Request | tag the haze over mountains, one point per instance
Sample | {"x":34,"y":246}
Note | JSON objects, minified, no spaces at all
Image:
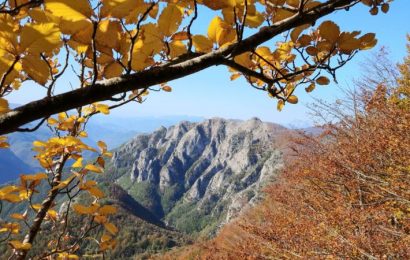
{"x":114,"y":131}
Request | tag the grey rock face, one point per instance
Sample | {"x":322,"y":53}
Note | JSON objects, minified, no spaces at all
{"x":215,"y":168}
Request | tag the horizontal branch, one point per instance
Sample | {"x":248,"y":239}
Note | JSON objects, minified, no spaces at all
{"x":104,"y":90}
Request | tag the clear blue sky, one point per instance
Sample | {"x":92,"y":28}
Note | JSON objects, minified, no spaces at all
{"x":210,"y":93}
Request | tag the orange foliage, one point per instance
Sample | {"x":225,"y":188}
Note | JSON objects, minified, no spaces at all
{"x":347,"y":193}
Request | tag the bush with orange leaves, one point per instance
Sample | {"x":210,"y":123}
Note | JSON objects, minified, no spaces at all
{"x":346,"y":193}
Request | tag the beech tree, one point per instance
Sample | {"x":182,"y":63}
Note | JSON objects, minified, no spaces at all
{"x":119,"y":51}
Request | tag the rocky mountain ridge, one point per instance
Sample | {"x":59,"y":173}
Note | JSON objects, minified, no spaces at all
{"x":196,"y":176}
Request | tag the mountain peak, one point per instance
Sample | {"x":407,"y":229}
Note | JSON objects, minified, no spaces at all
{"x":213,"y":168}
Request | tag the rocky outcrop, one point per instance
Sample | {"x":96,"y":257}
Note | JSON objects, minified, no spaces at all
{"x":214,"y":169}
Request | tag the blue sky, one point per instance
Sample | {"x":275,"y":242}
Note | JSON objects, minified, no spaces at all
{"x":210,"y":93}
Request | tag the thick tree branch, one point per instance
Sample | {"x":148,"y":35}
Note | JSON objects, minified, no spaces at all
{"x":104,"y":90}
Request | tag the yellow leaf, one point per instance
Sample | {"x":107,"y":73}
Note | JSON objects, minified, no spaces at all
{"x":85,"y":210}
{"x":221,"y":32}
{"x":108,"y":154}
{"x":385,"y":7}
{"x":64,"y":183}
{"x":374,"y":10}
{"x":83,"y":134}
{"x":167,"y":88}
{"x":110,"y":244}
{"x":310,"y":88}
{"x":281,"y":14}
{"x":13,"y":198}
{"x":96,"y":192}
{"x":322,"y":80}
{"x":177,"y":48}
{"x":66,"y":256}
{"x":77,"y":46}
{"x":170,"y":19}
{"x":37,"y":38}
{"x":105,"y":109}
{"x":52,"y":214}
{"x":348,"y":43}
{"x":328,"y":30}
{"x":220,"y":4}
{"x":39,"y":16}
{"x":293,"y":3}
{"x":93,"y":168}
{"x":107,"y":210}
{"x":69,"y":10}
{"x":101,"y":161}
{"x":281,"y":105}
{"x":254,"y":21}
{"x":312,"y":51}
{"x":36,"y":68}
{"x":39,"y":144}
{"x":103,"y":146}
{"x":78,"y":163}
{"x":292,"y":99}
{"x":113,"y":70}
{"x":18,"y":216}
{"x":80,"y":31}
{"x":368,"y":41}
{"x":109,"y":34}
{"x":111,"y":228}
{"x":52,"y":121}
{"x":34,"y":177}
{"x":294,"y":35}
{"x":19,"y":245}
{"x":4,"y":106}
{"x":202,"y":43}
{"x":105,"y":237}
{"x":304,"y":40}
{"x":235,"y":76}
{"x":8,"y":189}
{"x":180,"y":36}
{"x":12,"y":228}
{"x":118,"y":8}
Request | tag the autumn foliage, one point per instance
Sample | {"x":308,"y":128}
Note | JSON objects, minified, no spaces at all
{"x":346,"y":193}
{"x":119,"y":51}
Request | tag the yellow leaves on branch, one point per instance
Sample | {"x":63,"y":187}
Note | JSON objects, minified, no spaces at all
{"x":166,"y":88}
{"x":322,"y":80}
{"x":12,"y":228}
{"x":93,"y":168}
{"x":20,"y":245}
{"x":100,"y":214}
{"x":217,"y":5}
{"x":69,"y":10}
{"x":4,"y":106}
{"x":221,"y":32}
{"x":202,"y":43}
{"x":38,"y":38}
{"x":91,"y":187}
{"x":119,"y":8}
{"x":67,"y":256}
{"x":107,"y":242}
{"x":110,"y":227}
{"x":293,"y":99}
{"x":109,"y":34}
{"x":170,"y":19}
{"x":36,"y":68}
{"x":10,"y":194}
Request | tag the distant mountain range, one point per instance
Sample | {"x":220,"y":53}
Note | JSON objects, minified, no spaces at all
{"x":19,"y":159}
{"x":177,"y":182}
